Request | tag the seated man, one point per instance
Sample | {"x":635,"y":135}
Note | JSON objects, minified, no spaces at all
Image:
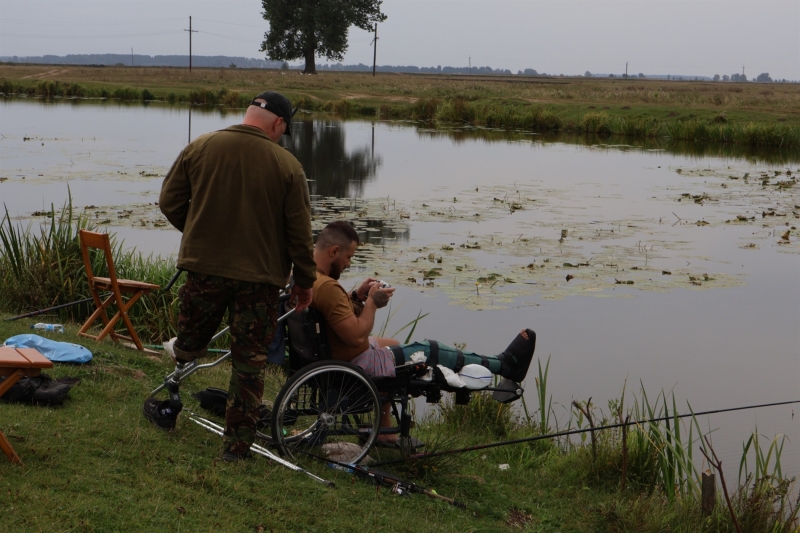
{"x":350,"y":319}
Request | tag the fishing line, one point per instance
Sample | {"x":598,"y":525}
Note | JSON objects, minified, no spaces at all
{"x":574,"y":432}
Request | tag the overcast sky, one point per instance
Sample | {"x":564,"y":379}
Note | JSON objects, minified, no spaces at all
{"x":690,"y":37}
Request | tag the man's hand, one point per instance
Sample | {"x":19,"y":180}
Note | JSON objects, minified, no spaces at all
{"x":363,"y":289}
{"x":301,"y":298}
{"x":380,"y":296}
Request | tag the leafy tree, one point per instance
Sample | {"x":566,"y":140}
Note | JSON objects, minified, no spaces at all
{"x":310,"y":28}
{"x":764,"y":76}
{"x":716,"y":77}
{"x":587,"y":74}
{"x":725,"y":77}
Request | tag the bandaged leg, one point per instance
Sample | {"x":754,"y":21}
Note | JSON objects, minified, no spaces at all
{"x":513,"y":363}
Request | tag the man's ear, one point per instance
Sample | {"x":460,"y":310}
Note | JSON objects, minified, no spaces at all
{"x":333,"y":251}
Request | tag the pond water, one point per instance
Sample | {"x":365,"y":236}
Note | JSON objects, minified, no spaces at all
{"x":680,"y":278}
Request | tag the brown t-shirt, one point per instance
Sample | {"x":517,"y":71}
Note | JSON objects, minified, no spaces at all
{"x":330,"y":298}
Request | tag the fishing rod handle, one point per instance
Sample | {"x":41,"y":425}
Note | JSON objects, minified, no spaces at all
{"x":216,"y":428}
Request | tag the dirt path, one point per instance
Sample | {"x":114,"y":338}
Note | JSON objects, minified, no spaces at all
{"x":48,"y":73}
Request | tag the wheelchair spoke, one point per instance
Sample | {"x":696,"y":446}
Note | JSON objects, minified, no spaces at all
{"x":327,"y":408}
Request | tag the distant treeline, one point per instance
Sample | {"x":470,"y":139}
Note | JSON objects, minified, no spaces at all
{"x":361,"y":67}
{"x":145,"y":61}
{"x":248,"y":62}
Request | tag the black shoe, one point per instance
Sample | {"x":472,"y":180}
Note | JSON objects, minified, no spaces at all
{"x":230,"y":454}
{"x":160,"y":414}
{"x":516,"y":359}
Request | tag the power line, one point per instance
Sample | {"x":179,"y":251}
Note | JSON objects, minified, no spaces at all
{"x":95,"y":36}
{"x":78,"y":23}
{"x":225,"y":36}
{"x":233,"y":23}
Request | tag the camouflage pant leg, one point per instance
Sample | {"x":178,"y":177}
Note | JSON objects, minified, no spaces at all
{"x":253,"y":316}
{"x":203,"y":302}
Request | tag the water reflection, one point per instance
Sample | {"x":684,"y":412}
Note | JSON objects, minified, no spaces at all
{"x":320,"y":147}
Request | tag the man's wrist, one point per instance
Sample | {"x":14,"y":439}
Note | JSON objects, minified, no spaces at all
{"x":355,"y":298}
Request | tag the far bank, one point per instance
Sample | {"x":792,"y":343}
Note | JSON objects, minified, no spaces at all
{"x":749,"y":113}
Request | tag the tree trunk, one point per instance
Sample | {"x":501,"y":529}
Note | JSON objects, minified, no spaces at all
{"x":311,"y":66}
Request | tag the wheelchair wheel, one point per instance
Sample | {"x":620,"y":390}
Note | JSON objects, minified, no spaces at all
{"x":328,"y":409}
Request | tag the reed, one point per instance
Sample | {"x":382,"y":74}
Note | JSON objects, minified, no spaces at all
{"x":42,"y":267}
{"x":481,"y":416}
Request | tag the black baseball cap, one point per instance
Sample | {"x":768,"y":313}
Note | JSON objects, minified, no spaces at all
{"x":278,"y":104}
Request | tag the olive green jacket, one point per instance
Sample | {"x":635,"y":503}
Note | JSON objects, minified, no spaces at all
{"x":242,"y":203}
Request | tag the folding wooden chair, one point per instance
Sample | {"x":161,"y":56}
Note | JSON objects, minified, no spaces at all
{"x":135,"y":289}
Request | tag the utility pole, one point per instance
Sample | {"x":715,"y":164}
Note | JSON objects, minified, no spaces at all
{"x":191,"y":31}
{"x":626,"y":70}
{"x":742,"y":71}
{"x":374,"y":50}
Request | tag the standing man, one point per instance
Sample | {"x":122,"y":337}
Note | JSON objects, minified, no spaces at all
{"x":242,"y":204}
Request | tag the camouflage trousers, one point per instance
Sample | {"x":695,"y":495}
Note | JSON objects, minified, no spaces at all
{"x":252,"y":316}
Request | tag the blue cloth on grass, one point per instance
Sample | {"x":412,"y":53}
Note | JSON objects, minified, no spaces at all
{"x":60,"y":352}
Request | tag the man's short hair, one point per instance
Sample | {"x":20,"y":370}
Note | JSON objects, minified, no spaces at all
{"x":337,"y":233}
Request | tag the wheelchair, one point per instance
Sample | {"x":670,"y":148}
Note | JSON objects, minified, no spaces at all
{"x":334,"y":407}
{"x":331,"y":408}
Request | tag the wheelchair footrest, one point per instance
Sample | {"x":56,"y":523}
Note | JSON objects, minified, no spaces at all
{"x":507,"y":391}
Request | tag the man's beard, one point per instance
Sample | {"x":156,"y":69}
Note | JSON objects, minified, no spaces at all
{"x":335,"y":272}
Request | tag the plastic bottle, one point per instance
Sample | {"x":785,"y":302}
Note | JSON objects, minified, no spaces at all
{"x":340,"y":467}
{"x":49,"y":327}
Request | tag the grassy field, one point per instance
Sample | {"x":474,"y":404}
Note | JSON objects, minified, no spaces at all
{"x":742,"y":113}
{"x":95,"y":464}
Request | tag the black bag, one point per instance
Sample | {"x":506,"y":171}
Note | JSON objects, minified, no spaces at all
{"x":40,"y":390}
{"x":308,"y":338}
{"x":212,"y":399}
{"x":215,"y":401}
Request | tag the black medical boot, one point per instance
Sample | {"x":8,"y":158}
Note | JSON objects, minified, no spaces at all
{"x":516,"y":359}
{"x":160,"y":413}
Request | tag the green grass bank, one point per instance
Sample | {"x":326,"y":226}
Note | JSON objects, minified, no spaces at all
{"x":99,"y":466}
{"x":748,"y":114}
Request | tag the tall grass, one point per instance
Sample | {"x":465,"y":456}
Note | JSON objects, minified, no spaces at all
{"x":42,"y":267}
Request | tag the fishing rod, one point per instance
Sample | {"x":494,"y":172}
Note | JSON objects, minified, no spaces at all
{"x":169,"y":285}
{"x":417,"y":456}
{"x":399,"y":486}
{"x":216,"y":428}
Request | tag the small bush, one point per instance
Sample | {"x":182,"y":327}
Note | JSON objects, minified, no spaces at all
{"x":126,"y":93}
{"x":203,"y":97}
{"x":49,"y":88}
{"x":599,"y":123}
{"x":425,"y":108}
{"x":147,"y":96}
